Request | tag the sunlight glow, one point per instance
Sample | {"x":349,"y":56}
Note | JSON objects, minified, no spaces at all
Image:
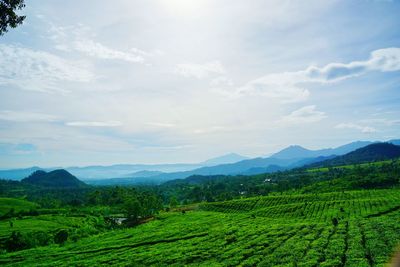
{"x":186,"y":8}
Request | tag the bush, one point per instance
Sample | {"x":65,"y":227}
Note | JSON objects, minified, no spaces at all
{"x":16,"y":241}
{"x":61,"y":236}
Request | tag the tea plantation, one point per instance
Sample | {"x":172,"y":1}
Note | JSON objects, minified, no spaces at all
{"x":349,"y":228}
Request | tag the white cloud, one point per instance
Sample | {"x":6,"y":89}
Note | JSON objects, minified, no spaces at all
{"x":307,"y":114}
{"x":21,"y":116}
{"x":95,"y":49}
{"x":161,"y":124}
{"x":200,"y":71}
{"x":286,"y":85}
{"x":221,"y":81}
{"x":75,"y":38}
{"x":94,"y":123}
{"x":275,"y":86}
{"x":38,"y":70}
{"x":387,"y":59}
{"x":363,"y":129}
{"x":209,"y":130}
{"x":386,"y":122}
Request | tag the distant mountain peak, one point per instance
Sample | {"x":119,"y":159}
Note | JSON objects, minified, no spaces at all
{"x":296,"y":151}
{"x":293,"y":151}
{"x":56,"y":178}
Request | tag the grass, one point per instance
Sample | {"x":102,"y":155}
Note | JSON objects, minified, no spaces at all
{"x":18,"y":205}
{"x":41,"y":223}
{"x":287,"y":230}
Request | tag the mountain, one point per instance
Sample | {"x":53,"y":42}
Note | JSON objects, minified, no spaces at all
{"x":57,"y":178}
{"x":395,"y":142}
{"x":259,"y":170}
{"x":225,"y":159}
{"x":126,"y":170}
{"x":296,"y":151}
{"x":144,"y":173}
{"x":253,"y":166}
{"x":370,"y":153}
{"x":230,"y":164}
{"x":17,"y":174}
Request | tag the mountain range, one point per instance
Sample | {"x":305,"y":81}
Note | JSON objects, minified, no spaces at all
{"x":370,"y":153}
{"x":230,"y":164}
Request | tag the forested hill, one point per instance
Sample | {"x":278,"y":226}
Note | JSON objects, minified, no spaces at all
{"x":57,"y":178}
{"x":370,"y":153}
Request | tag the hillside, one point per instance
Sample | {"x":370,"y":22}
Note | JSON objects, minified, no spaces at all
{"x":358,"y":228}
{"x":58,"y":178}
{"x":14,"y":205}
{"x":370,"y":153}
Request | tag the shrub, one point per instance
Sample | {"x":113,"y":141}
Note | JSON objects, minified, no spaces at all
{"x":61,"y":236}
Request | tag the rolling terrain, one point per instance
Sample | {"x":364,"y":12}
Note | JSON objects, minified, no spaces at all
{"x":341,"y":211}
{"x":331,"y":229}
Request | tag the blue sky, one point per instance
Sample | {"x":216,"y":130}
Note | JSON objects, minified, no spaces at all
{"x":104,"y":82}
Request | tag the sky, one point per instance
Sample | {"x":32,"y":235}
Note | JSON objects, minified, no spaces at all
{"x":164,"y":81}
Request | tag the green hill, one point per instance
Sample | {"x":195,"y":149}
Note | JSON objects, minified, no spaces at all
{"x":57,"y":178}
{"x":15,"y":205}
{"x":370,"y":153}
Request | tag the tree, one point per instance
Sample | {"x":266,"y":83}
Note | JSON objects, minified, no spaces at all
{"x":133,"y":209}
{"x":8,"y":17}
{"x":173,"y":202}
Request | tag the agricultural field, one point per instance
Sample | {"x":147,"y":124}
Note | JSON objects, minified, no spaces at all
{"x":15,"y":205}
{"x":354,"y":228}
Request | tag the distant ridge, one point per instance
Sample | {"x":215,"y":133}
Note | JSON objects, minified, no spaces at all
{"x":370,"y":153}
{"x":57,"y":178}
{"x":296,"y":151}
{"x":224,"y":159}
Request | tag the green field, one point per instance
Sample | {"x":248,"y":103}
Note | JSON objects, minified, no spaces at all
{"x":17,"y":205}
{"x":287,"y":230}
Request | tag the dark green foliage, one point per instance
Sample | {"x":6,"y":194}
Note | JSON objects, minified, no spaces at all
{"x":173,"y":202}
{"x":58,"y":179}
{"x":8,"y":17}
{"x":370,"y":153}
{"x":219,"y":188}
{"x":61,"y":236}
{"x":16,"y":242}
{"x":19,"y":241}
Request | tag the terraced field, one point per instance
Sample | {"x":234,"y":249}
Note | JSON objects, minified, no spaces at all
{"x":287,"y":230}
{"x":15,"y":205}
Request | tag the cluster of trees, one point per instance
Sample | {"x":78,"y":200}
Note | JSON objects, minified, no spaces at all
{"x":220,"y":188}
{"x":136,"y":203}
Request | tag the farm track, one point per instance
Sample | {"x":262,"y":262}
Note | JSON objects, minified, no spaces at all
{"x":396,"y":208}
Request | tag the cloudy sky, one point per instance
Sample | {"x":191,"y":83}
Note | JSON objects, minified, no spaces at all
{"x":160,"y":81}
